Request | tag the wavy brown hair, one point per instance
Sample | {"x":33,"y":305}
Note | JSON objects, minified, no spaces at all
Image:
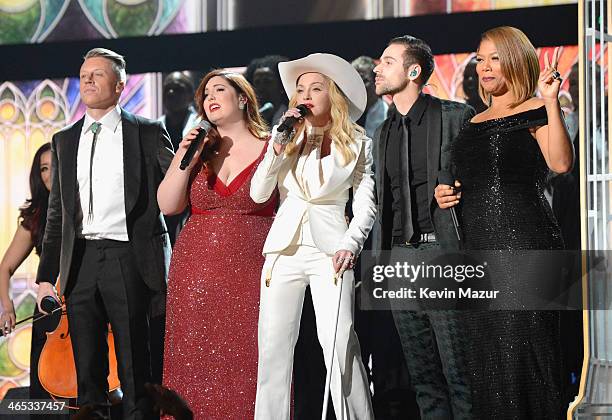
{"x":255,"y":123}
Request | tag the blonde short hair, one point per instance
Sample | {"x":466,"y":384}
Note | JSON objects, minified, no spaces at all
{"x":117,"y":61}
{"x":519,"y":62}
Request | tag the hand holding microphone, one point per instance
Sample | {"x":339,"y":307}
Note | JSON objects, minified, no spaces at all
{"x":194,"y":142}
{"x":447,"y":195}
{"x":291,"y":117}
{"x":281,"y":135}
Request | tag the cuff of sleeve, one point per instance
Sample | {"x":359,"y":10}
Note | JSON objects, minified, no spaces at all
{"x":349,"y":246}
{"x":273,"y":158}
{"x":281,"y":137}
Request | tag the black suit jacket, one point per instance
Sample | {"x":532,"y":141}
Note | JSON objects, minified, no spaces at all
{"x":147,"y":153}
{"x":444,"y":120}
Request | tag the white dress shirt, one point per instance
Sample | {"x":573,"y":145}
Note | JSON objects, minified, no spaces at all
{"x":109,"y":218}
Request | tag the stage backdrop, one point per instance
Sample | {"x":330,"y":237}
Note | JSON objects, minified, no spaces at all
{"x":31,"y":111}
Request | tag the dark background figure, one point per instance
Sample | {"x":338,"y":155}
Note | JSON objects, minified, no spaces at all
{"x":376,"y":109}
{"x":177,"y":98}
{"x":179,"y":117}
{"x":470,"y":87}
{"x":566,"y":208}
{"x":263,"y":74}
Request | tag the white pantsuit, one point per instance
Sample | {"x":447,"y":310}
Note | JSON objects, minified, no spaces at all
{"x":309,"y":228}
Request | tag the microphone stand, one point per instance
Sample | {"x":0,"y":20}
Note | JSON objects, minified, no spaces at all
{"x":339,"y":276}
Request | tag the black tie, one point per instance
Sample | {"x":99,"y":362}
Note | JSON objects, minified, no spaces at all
{"x":405,"y":178}
{"x":95,"y":129}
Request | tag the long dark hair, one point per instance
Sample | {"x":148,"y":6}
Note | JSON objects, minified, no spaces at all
{"x":33,"y":214}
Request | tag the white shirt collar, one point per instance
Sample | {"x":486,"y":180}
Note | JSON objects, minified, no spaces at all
{"x":312,"y":131}
{"x":110,"y":120}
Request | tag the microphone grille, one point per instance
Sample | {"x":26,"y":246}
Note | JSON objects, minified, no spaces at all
{"x":204,"y":125}
{"x":303,"y":109}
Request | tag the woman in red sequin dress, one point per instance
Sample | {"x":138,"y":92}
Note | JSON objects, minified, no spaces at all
{"x":210,"y":355}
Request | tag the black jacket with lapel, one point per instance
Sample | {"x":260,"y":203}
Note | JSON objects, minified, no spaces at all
{"x":444,"y":120}
{"x":147,"y":153}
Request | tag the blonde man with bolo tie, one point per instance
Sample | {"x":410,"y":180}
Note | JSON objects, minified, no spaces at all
{"x":105,"y":236}
{"x":314,"y":165}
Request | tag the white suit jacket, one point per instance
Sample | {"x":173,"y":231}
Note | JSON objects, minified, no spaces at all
{"x":326,"y":207}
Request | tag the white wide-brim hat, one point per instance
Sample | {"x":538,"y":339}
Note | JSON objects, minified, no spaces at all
{"x":334,"y":67}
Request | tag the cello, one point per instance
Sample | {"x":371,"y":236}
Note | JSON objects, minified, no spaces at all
{"x":56,"y":367}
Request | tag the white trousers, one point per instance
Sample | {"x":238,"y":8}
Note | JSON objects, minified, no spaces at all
{"x":279,"y":325}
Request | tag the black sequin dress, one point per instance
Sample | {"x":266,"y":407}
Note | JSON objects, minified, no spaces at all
{"x":514,"y":356}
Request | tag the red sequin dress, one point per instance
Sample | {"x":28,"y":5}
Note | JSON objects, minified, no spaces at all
{"x":210,"y":355}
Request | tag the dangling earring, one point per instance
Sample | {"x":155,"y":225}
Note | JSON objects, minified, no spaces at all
{"x":241,"y":105}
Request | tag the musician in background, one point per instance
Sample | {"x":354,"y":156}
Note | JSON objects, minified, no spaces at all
{"x":263,"y":74}
{"x":28,"y":237}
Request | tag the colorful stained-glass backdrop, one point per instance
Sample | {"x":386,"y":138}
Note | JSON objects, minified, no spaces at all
{"x":32,"y":21}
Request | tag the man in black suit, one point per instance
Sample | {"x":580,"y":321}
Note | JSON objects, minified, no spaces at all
{"x":105,"y":236}
{"x":412,"y":146}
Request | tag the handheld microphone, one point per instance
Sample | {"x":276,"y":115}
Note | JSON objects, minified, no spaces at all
{"x":204,"y":127}
{"x":445,"y":177}
{"x":291,"y":121}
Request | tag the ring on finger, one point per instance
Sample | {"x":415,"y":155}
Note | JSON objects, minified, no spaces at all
{"x":556,"y":75}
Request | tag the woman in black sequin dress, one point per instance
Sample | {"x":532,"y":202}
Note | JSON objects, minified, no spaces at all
{"x":501,"y":159}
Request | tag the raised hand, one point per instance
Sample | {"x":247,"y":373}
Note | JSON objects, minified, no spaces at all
{"x":550,"y":79}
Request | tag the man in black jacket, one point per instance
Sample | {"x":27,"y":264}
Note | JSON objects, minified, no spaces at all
{"x":105,"y":236}
{"x":411,"y":147}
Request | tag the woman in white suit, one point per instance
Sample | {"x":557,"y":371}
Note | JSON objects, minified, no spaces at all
{"x":310,"y":243}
